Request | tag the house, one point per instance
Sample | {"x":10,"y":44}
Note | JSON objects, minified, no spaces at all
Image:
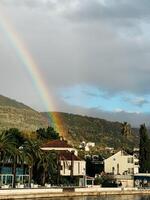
{"x":58,"y":145}
{"x":109,"y":149}
{"x":123,"y":166}
{"x":70,"y":164}
{"x":70,"y":160}
{"x":89,"y":145}
{"x":121,"y":163}
{"x":86,"y":146}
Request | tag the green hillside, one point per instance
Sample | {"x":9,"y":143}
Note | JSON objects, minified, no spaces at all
{"x":17,"y":115}
{"x":102,"y":132}
{"x":77,"y":128}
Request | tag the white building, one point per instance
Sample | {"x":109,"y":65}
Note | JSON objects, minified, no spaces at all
{"x":121,"y":163}
{"x":71,"y":161}
{"x":86,"y":146}
{"x":89,"y":145}
{"x":71,"y":164}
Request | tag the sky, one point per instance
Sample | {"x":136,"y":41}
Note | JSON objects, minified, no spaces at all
{"x":93,"y":56}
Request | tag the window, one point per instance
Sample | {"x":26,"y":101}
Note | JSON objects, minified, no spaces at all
{"x":117,"y":168}
{"x":64,"y":166}
{"x":130,"y":170}
{"x":113,"y":170}
{"x":136,"y":163}
{"x":130,"y":160}
{"x":78,"y":167}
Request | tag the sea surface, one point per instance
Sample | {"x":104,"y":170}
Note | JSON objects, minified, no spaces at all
{"x":109,"y":197}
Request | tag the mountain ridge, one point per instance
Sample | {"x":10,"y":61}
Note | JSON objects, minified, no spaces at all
{"x":103,"y":132}
{"x":78,"y":128}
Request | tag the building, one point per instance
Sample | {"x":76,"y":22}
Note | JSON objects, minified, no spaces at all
{"x":109,"y":149}
{"x":123,"y":166}
{"x":89,"y":145}
{"x":58,"y":145}
{"x":70,"y":160}
{"x":121,"y":163}
{"x":142,"y":180}
{"x":94,"y":165}
{"x":86,"y":146}
{"x":70,"y":164}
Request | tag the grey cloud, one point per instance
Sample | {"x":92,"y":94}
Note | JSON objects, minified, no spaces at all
{"x":83,"y":53}
{"x":119,"y":10}
{"x":70,"y":53}
{"x":29,"y":3}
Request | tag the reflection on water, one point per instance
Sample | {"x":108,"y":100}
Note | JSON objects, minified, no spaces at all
{"x":109,"y":197}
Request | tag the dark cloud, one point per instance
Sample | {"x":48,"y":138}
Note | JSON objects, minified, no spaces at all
{"x":28,"y":3}
{"x":105,"y":45}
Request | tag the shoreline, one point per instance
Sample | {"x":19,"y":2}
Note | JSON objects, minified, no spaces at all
{"x":60,"y":192}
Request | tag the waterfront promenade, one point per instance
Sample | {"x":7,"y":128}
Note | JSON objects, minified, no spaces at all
{"x":67,"y":192}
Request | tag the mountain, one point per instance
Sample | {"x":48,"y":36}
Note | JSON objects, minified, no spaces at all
{"x":77,"y":128}
{"x":104,"y":133}
{"x":17,"y":115}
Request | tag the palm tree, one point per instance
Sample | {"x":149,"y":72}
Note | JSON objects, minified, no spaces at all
{"x":47,"y":164}
{"x":126,"y":129}
{"x":7,"y":147}
{"x":31,"y":153}
{"x":16,"y":157}
{"x":6,"y":143}
{"x":8,"y":152}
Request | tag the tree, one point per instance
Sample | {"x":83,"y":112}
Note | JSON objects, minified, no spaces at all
{"x":16,"y":136}
{"x":144,"y":150}
{"x":47,"y":134}
{"x":47,"y":166}
{"x":126,"y":129}
{"x":31,"y":155}
{"x":6,"y":143}
{"x":52,"y":134}
{"x":7,"y":148}
{"x":41,"y":133}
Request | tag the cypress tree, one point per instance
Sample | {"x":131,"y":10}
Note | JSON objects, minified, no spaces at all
{"x":144,"y":142}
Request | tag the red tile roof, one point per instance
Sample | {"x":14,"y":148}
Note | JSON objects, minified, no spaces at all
{"x":57,"y":144}
{"x":67,"y":155}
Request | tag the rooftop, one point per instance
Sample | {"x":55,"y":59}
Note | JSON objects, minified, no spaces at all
{"x":57,"y":144}
{"x":67,"y":155}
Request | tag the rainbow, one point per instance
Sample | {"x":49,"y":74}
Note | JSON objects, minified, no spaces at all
{"x":33,"y":70}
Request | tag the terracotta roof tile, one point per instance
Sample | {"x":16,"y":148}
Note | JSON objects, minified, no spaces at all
{"x":67,"y":155}
{"x":57,"y":144}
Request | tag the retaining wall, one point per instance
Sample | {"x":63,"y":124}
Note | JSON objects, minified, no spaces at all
{"x":59,"y":192}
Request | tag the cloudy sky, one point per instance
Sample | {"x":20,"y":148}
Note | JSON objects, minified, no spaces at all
{"x":93,"y":56}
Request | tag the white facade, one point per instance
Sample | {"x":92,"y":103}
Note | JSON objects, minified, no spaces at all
{"x":89,"y":145}
{"x":78,"y":168}
{"x":121,"y":163}
{"x":70,"y":163}
{"x":86,"y":146}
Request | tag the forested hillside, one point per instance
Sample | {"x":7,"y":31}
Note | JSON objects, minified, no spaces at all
{"x":17,"y":115}
{"x":83,"y":128}
{"x":78,"y":128}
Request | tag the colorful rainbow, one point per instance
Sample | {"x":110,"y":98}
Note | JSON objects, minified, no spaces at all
{"x":33,"y":70}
